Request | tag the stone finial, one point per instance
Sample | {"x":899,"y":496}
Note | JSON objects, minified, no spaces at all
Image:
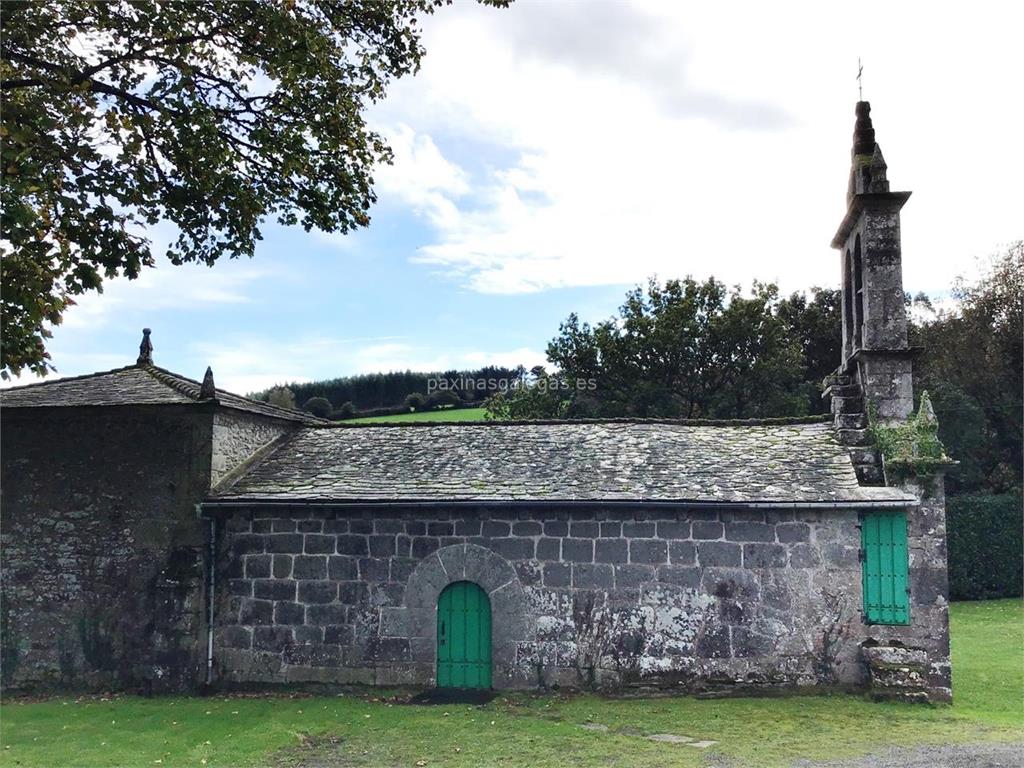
{"x":926,"y":414}
{"x":145,"y":349}
{"x":868,"y":169}
{"x":207,"y":391}
{"x":863,"y":131}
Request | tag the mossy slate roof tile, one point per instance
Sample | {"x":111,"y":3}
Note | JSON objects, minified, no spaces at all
{"x":568,"y":461}
{"x":141,"y":384}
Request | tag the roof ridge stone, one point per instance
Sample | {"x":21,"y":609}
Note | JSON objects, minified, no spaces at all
{"x":192,"y":388}
{"x":175,"y":381}
{"x":780,"y":421}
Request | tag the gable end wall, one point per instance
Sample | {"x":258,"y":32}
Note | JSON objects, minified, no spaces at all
{"x":102,"y":578}
{"x":237,"y":436}
{"x":102,"y":549}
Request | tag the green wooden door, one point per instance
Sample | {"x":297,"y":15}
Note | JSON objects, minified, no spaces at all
{"x":463,"y":637}
{"x":884,"y":555}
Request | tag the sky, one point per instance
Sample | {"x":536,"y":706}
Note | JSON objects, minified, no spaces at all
{"x":552,"y":155}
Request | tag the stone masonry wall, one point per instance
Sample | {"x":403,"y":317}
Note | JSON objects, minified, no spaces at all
{"x":692,"y":600}
{"x":237,"y":436}
{"x":929,"y":585}
{"x":102,"y":549}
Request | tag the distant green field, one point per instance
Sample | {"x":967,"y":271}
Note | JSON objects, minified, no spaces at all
{"x":448,"y":414}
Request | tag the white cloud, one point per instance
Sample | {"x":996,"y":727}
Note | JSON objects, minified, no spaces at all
{"x":165,"y":287}
{"x":673,"y":139}
{"x":421,"y":177}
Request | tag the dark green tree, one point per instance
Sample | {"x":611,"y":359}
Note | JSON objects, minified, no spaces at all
{"x":973,"y":368}
{"x":443,"y":398}
{"x":318,"y":406}
{"x":816,"y":321}
{"x":212,"y":115}
{"x":682,"y":349}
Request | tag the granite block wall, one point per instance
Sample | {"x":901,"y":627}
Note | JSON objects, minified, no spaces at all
{"x":585,"y":598}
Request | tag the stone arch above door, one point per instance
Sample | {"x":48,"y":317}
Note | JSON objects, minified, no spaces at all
{"x":510,"y":616}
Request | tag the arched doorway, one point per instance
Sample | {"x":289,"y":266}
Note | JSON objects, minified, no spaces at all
{"x":463,"y":637}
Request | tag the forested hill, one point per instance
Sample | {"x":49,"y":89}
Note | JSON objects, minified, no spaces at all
{"x":384,"y":390}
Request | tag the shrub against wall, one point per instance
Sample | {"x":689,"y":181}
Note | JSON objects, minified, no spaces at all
{"x":985,"y":545}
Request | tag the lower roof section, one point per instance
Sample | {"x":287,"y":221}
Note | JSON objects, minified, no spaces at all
{"x":557,"y":464}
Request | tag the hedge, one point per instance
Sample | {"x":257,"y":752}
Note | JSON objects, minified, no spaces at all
{"x":986,"y":545}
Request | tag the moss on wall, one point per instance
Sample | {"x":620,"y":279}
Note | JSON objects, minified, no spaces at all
{"x":911,"y":447}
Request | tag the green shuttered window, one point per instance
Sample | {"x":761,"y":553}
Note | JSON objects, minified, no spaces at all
{"x":884,"y":555}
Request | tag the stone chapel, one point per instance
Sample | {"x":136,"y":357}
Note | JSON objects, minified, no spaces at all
{"x":159,"y":533}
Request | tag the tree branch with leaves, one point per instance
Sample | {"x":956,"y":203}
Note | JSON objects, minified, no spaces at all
{"x":212,"y":115}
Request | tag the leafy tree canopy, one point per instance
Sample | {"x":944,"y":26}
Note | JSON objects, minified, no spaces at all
{"x":281,"y":396}
{"x":683,"y":349}
{"x":973,"y":367}
{"x":209,"y":114}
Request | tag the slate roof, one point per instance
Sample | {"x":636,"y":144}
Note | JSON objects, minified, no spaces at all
{"x":563,"y":461}
{"x":141,"y":384}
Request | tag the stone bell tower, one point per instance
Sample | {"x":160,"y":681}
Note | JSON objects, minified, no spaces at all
{"x":875,"y":372}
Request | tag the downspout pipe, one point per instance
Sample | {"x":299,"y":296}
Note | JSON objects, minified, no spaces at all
{"x":211,"y":585}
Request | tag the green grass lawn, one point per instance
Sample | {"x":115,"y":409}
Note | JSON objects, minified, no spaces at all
{"x":543,"y":731}
{"x":445,"y":414}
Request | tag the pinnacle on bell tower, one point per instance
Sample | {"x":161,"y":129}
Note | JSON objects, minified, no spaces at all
{"x":875,"y":350}
{"x":867,"y":169}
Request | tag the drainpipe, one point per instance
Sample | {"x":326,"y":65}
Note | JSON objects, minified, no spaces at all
{"x":211,"y":584}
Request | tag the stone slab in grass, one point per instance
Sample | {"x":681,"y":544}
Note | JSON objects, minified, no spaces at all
{"x":594,"y":727}
{"x":702,"y":744}
{"x":670,"y":738}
